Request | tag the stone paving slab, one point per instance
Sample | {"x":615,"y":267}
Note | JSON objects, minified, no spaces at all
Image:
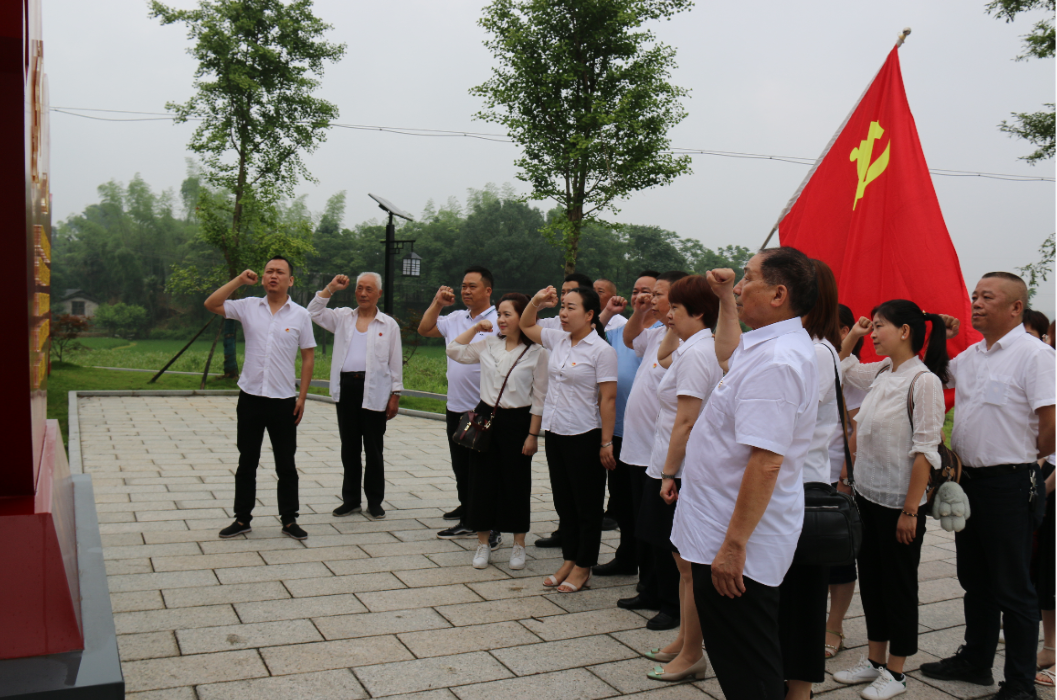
{"x":375,"y":608}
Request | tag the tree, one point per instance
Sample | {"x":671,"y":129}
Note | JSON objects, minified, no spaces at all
{"x":256,"y":65}
{"x":583,"y":89}
{"x":1037,"y":128}
{"x":1040,"y":270}
{"x":65,"y":330}
{"x":121,"y":319}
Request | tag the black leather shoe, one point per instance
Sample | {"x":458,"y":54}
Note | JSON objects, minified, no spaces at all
{"x":640,"y":587}
{"x":555,"y":540}
{"x":454,"y":514}
{"x":615,"y":568}
{"x":662,"y":621}
{"x":957,"y":668}
{"x":1006,"y":692}
{"x":608,"y":524}
{"x":637,"y":603}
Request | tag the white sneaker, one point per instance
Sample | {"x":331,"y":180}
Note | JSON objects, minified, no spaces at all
{"x":884,"y":687}
{"x":861,"y":672}
{"x":484,"y":553}
{"x":517,"y":557}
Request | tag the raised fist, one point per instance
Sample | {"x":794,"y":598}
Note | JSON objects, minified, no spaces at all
{"x":484,"y":326}
{"x":546,"y":298}
{"x":339,"y":282}
{"x":721,"y":280}
{"x":862,"y":327}
{"x":952,"y":324}
{"x":617,"y":304}
{"x":641,"y":304}
{"x":248,"y":278}
{"x":445,"y":296}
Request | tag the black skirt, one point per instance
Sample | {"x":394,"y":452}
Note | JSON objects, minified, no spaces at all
{"x":654,"y":524}
{"x":501,"y":478}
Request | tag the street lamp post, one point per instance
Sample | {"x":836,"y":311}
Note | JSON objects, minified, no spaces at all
{"x":391,"y":247}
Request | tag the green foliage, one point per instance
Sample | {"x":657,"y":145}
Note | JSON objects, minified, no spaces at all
{"x":583,"y":89}
{"x":1037,"y":128}
{"x":121,"y":319}
{"x":257,"y":62}
{"x":1040,"y":270}
{"x":65,"y":330}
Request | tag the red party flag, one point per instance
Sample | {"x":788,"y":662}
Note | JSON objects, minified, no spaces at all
{"x":869,"y":210}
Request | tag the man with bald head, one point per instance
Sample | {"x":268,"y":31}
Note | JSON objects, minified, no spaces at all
{"x":1004,"y":391}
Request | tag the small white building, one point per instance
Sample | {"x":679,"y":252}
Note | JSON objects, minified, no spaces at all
{"x":76,"y":303}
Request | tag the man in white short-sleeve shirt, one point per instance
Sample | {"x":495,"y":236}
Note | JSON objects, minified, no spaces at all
{"x":1003,"y":422}
{"x":464,"y":381}
{"x":275,"y":328}
{"x":741,"y":508}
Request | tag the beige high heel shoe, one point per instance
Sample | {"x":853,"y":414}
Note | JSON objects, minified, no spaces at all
{"x":661,"y":656}
{"x":698,"y":671}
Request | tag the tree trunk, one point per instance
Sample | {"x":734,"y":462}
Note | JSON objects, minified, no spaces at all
{"x":575,"y":215}
{"x":231,"y":363}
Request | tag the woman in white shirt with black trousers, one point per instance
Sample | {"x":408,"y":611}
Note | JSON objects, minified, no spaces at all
{"x":692,"y":373}
{"x":579,"y":416}
{"x":891,"y":474}
{"x":501,"y":477}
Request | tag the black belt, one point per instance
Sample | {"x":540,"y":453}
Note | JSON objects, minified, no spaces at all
{"x":354,"y":375}
{"x":997,"y":470}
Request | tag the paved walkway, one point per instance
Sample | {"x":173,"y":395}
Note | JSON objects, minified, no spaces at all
{"x":370,"y":609}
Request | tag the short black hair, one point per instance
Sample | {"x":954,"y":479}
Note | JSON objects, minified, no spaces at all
{"x":649,"y":273}
{"x":483,"y":272}
{"x":796,"y":272}
{"x":286,"y":260}
{"x":671,"y":276}
{"x":580,"y":279}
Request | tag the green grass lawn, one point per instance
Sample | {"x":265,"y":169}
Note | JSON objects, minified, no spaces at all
{"x":425,"y":372}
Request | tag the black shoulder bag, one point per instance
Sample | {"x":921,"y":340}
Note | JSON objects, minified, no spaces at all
{"x":832,"y":532}
{"x":474,"y":431}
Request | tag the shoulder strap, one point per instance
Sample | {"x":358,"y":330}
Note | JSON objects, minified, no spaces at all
{"x":502,"y":388}
{"x":843,"y":420}
{"x":910,"y":399}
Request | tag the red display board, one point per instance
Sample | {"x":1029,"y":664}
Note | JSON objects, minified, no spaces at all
{"x":39,"y":590}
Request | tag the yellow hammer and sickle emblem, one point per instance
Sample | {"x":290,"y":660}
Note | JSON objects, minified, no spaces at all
{"x":867,"y":171}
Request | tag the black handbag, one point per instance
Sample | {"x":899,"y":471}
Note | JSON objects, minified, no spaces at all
{"x":474,"y":431}
{"x":832,"y":532}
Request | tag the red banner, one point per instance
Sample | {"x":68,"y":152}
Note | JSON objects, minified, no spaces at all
{"x":868,"y":209}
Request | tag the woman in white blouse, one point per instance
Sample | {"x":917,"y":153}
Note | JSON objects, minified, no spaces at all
{"x":891,"y":473}
{"x":579,"y":415}
{"x":802,"y":610}
{"x":693,"y":371}
{"x":501,"y":478}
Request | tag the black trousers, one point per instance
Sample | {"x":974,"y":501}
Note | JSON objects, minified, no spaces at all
{"x":643,"y":551}
{"x":741,"y":637}
{"x":888,"y":578}
{"x":578,"y":485}
{"x":622,"y":507}
{"x":994,"y":555}
{"x":802,"y":622}
{"x":1042,"y":563}
{"x":501,"y":478}
{"x":255,"y":415}
{"x":360,"y":427}
{"x":460,"y":464}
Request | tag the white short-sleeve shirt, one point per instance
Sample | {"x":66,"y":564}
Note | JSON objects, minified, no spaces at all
{"x":997,"y":392}
{"x":573,"y":375}
{"x":818,"y":466}
{"x":272,"y":342}
{"x":768,"y":400}
{"x":526,"y":368}
{"x":640,"y":414}
{"x":695,"y":372}
{"x":464,"y":381}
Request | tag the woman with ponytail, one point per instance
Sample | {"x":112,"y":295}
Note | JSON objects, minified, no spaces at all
{"x":893,"y":460}
{"x":579,"y":415}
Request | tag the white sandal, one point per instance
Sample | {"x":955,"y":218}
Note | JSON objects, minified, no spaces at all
{"x":1046,"y":677}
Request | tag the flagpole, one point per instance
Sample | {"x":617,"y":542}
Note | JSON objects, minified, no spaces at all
{"x":899,"y":42}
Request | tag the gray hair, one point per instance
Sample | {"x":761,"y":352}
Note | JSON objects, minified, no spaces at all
{"x":375,"y":275}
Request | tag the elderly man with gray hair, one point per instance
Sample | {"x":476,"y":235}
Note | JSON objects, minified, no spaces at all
{"x":366,"y":378}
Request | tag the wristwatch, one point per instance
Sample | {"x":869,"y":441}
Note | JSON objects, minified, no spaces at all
{"x":846,"y":482}
{"x":607,"y":444}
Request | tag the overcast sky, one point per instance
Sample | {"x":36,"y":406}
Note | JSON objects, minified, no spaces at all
{"x":770,"y":77}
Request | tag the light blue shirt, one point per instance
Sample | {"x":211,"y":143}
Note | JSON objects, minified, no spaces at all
{"x":627,"y":365}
